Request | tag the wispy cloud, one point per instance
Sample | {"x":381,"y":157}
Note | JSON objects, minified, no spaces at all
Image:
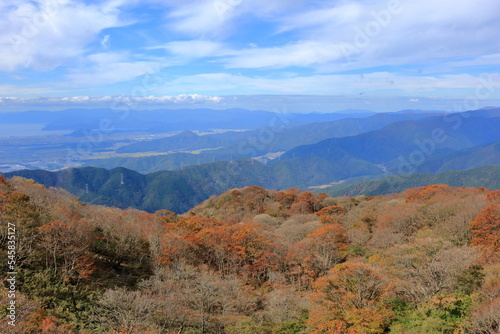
{"x":384,"y":83}
{"x":301,"y":54}
{"x":44,"y":35}
{"x":321,"y":18}
{"x":201,"y":18}
{"x":219,"y":18}
{"x":405,"y":47}
{"x":18,"y":90}
{"x":109,"y":68}
{"x":195,"y":49}
{"x":364,"y":35}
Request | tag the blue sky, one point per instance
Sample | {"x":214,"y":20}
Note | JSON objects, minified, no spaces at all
{"x":365,"y":54}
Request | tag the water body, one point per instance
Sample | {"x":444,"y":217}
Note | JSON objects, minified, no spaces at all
{"x":27,"y":130}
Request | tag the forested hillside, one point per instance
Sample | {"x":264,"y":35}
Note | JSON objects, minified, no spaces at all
{"x":481,"y":155}
{"x":256,"y":261}
{"x":180,"y":190}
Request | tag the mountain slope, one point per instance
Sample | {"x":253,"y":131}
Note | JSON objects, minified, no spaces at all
{"x":284,"y":137}
{"x":180,"y":190}
{"x":413,"y":140}
{"x":252,"y":261}
{"x":370,"y":154}
{"x":235,"y":145}
{"x":186,"y":140}
{"x":176,"y":190}
{"x":482,"y":155}
{"x":486,"y":176}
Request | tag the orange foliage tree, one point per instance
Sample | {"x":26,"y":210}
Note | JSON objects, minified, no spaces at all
{"x":485,"y":228}
{"x":352,"y":299}
{"x":327,"y":214}
{"x":67,"y":248}
{"x":181,"y":240}
{"x":425,"y":193}
{"x":328,"y":244}
{"x":228,"y":249}
{"x":300,"y":265}
{"x":314,"y":256}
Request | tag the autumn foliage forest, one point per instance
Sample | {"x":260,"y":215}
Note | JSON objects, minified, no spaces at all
{"x":256,"y":261}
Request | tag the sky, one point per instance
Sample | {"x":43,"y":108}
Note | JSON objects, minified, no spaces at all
{"x":381,"y":55}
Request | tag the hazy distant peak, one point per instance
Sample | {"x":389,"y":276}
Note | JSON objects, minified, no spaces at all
{"x":186,"y":134}
{"x":489,"y":108}
{"x":355,"y":111}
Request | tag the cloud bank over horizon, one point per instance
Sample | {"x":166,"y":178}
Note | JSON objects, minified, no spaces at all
{"x":275,"y":103}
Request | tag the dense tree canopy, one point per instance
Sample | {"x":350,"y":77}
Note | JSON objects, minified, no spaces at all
{"x":256,"y":261}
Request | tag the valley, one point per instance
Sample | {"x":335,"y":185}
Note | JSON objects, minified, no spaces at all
{"x":178,"y":171}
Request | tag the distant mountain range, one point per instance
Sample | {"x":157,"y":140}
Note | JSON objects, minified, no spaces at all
{"x":95,"y":134}
{"x":364,"y":149}
{"x":235,"y":145}
{"x":409,"y":144}
{"x":284,"y":137}
{"x":165,"y":120}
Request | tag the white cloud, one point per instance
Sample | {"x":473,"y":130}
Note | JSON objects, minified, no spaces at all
{"x":361,"y":35}
{"x":335,"y":16}
{"x":435,"y":40}
{"x":111,"y":67}
{"x":301,"y":54}
{"x":339,"y":36}
{"x":199,"y":18}
{"x":12,"y":90}
{"x":217,"y":18}
{"x":194,"y":48}
{"x":97,"y":100}
{"x":384,"y":83}
{"x":46,"y":34}
{"x":483,"y":60}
